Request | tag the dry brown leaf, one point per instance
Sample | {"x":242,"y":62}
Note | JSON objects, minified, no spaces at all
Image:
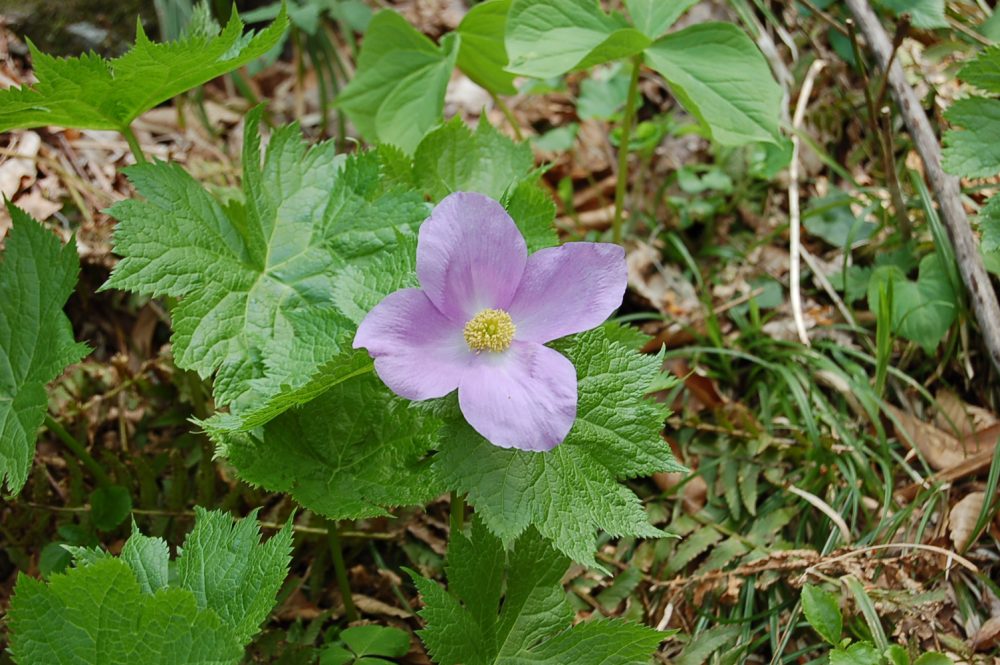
{"x":988,"y":635}
{"x":373,"y":606}
{"x":940,"y":449}
{"x":662,"y":284}
{"x":35,"y":204}
{"x":962,"y":519}
{"x":13,"y":170}
{"x":960,"y":418}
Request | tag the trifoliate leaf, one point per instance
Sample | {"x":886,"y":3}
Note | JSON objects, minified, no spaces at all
{"x":653,"y":17}
{"x":721,"y":77}
{"x":255,"y":280}
{"x":453,"y":158}
{"x":924,"y":14}
{"x":352,"y":452}
{"x":37,"y":274}
{"x":482,"y":55}
{"x":94,"y":93}
{"x":546,"y":38}
{"x":110,"y":611}
{"x":512,"y":609}
{"x":397,"y":93}
{"x":573,"y":490}
{"x":231,"y":572}
{"x":974,"y":150}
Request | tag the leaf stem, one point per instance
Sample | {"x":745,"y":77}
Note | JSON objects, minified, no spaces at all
{"x":133,"y":144}
{"x":78,"y":449}
{"x":457,"y":513}
{"x":507,"y":113}
{"x":340,"y":570}
{"x":633,"y":93}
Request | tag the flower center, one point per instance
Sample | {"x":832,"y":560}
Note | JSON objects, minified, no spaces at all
{"x":490,"y":330}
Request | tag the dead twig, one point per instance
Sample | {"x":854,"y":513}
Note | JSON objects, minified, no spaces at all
{"x":946,"y":187}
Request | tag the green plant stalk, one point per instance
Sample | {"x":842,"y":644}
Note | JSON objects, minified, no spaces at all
{"x":133,"y":144}
{"x":633,"y":93}
{"x":78,"y":449}
{"x":457,"y":516}
{"x":340,"y":570}
{"x":507,"y":113}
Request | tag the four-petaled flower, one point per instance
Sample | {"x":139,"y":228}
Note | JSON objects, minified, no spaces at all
{"x":482,"y":317}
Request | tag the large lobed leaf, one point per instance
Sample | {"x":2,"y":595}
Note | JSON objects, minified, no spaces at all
{"x":37,"y":275}
{"x":109,"y":611}
{"x":351,"y":449}
{"x":255,"y":280}
{"x":570,"y":492}
{"x":352,"y":452}
{"x":510,"y":608}
{"x":91,"y":92}
{"x":397,"y":93}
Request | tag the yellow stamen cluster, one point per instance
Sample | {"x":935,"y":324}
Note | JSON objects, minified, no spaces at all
{"x":490,"y":330}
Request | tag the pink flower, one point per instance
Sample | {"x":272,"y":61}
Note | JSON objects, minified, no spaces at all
{"x":480,"y":321}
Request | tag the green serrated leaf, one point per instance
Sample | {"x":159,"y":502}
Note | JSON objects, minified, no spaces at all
{"x":98,"y":615}
{"x":860,"y":653}
{"x":482,"y":55}
{"x":983,"y":71}
{"x":351,"y":452}
{"x":108,"y":611}
{"x":255,"y":280}
{"x":94,"y":93}
{"x":453,"y":158}
{"x":546,"y":38}
{"x":822,"y":611}
{"x":344,"y":367}
{"x":974,"y":150}
{"x":720,"y":76}
{"x":708,"y":642}
{"x":573,"y":490}
{"x":933,"y":658}
{"x":511,"y":608}
{"x":533,"y":210}
{"x":653,"y":17}
{"x":691,"y":547}
{"x":149,"y":559}
{"x":231,"y":572}
{"x":397,"y":93}
{"x":37,"y":275}
{"x":989,"y":225}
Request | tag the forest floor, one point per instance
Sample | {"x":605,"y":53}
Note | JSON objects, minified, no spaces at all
{"x":795,"y":479}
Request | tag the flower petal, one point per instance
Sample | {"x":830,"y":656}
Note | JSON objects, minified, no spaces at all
{"x":418,"y":352}
{"x":470,"y":256}
{"x":568,"y":289}
{"x":522,"y":398}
